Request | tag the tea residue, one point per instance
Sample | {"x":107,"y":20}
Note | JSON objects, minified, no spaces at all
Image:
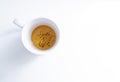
{"x":43,"y":37}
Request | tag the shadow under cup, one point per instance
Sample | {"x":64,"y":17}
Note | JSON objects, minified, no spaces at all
{"x":27,"y":32}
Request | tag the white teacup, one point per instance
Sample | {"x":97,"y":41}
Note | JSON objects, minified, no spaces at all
{"x":27,"y":31}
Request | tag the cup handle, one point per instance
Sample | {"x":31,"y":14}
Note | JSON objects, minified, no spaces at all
{"x":18,"y":23}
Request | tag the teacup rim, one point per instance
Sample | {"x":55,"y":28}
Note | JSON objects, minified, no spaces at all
{"x":31,"y":47}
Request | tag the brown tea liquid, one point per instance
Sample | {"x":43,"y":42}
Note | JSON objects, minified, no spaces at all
{"x":43,"y":37}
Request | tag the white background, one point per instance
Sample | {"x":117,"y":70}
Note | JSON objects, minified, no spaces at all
{"x":89,"y":46}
